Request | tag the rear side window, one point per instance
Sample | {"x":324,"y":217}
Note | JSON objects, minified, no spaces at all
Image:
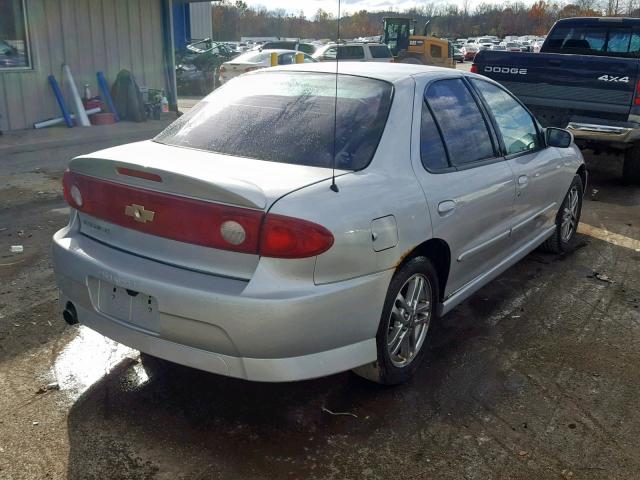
{"x":462,"y":124}
{"x":288,"y":117}
{"x":432,"y":152}
{"x":350,"y":53}
{"x":380,"y":51}
{"x":609,"y":40}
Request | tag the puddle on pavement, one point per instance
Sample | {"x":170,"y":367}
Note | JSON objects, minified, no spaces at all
{"x":88,"y":358}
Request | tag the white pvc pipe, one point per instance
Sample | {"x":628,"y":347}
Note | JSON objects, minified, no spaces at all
{"x":56,"y":121}
{"x":75,"y":97}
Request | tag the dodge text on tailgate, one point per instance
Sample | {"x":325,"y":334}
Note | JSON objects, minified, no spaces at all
{"x":585,"y":79}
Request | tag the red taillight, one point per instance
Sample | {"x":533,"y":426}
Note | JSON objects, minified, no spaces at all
{"x":166,"y":215}
{"x":636,"y":99}
{"x":287,"y":237}
{"x":195,"y":221}
{"x":474,"y":68}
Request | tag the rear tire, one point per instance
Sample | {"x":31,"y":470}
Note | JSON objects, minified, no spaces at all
{"x":631,"y":167}
{"x":567,"y":220}
{"x":409,"y":309}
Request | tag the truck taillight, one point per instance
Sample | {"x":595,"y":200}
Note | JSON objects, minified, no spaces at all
{"x":636,"y":97}
{"x":474,"y":68}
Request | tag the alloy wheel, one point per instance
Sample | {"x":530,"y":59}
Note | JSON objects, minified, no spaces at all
{"x":409,"y":320}
{"x":570,"y":214}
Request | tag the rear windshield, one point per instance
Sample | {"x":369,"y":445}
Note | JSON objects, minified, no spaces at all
{"x":380,"y":51}
{"x":288,"y":117}
{"x":609,"y":40}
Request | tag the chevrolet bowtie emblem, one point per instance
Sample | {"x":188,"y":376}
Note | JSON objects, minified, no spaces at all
{"x":139,"y":214}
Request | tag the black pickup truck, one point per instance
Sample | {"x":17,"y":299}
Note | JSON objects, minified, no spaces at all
{"x":586,"y":78}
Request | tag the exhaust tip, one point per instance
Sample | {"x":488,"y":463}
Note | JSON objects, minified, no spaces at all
{"x":69,"y":314}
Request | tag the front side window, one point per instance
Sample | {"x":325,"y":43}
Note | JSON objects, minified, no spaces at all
{"x":14,"y":44}
{"x":462,"y":124}
{"x":515,"y":124}
{"x":289,"y":117}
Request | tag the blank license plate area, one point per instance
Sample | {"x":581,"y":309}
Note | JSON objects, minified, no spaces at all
{"x":129,"y":306}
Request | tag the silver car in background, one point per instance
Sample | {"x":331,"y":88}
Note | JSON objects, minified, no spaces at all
{"x":247,"y":240}
{"x":256,"y":59}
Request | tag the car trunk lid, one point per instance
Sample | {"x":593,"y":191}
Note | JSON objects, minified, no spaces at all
{"x":157,"y":201}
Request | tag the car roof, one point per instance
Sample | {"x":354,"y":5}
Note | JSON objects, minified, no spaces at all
{"x":389,"y":72}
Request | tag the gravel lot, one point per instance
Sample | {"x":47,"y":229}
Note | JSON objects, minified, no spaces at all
{"x":536,"y":376}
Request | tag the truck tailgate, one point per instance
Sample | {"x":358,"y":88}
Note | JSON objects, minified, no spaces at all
{"x":575,"y":84}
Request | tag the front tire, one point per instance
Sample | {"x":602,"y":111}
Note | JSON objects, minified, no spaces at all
{"x":408,"y":311}
{"x":567,"y":219}
{"x":631,"y":166}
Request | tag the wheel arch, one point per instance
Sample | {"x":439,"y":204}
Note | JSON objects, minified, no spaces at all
{"x":582,"y":171}
{"x":437,"y":250}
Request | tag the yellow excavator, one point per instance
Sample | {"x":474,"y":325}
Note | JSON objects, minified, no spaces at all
{"x":407,"y":47}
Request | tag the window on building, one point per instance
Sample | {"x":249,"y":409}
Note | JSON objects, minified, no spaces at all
{"x":14,"y":46}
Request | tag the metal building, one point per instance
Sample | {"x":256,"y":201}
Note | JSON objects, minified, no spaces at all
{"x":38,"y":36}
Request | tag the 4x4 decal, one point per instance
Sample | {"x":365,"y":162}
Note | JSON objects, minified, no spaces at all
{"x":612,"y":78}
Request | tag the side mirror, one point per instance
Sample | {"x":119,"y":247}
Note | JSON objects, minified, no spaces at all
{"x":558,"y":137}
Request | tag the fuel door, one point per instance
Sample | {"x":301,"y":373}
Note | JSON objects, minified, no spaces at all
{"x":384,"y":233}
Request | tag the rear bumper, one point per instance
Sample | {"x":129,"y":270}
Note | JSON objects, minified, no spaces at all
{"x":212,"y":324}
{"x":620,"y":136}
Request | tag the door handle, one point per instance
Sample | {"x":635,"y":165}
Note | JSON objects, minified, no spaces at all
{"x":445,"y":207}
{"x":523,"y":181}
{"x":555,"y":62}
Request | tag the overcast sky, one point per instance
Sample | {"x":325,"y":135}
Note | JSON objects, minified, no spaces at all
{"x":311,"y":6}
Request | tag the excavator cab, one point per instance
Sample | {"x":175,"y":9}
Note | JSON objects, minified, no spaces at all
{"x":397,"y":31}
{"x":407,"y":47}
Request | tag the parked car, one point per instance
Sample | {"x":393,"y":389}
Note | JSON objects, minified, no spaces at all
{"x":499,"y":47}
{"x":484,"y":43}
{"x":470,"y":51}
{"x":254,"y":60}
{"x":525,"y":46}
{"x":585,"y":79}
{"x":512,"y":47}
{"x":240,"y":258}
{"x":458,"y":56}
{"x":354,"y":52}
{"x":308,"y":48}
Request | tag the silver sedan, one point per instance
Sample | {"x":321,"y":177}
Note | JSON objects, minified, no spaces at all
{"x":277,"y":232}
